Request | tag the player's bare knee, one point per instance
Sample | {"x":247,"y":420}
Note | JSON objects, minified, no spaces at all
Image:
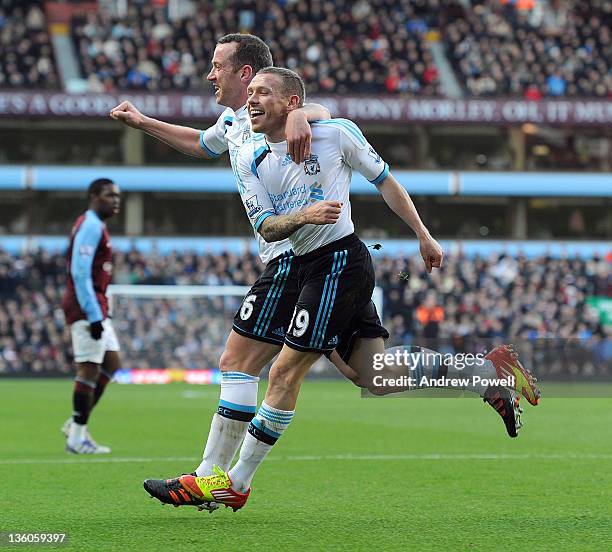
{"x":87,"y":370}
{"x":238,"y":361}
{"x":246,"y":355}
{"x":112,"y":362}
{"x":231,"y":361}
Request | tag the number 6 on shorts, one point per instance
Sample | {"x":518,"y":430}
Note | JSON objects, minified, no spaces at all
{"x":247,"y":307}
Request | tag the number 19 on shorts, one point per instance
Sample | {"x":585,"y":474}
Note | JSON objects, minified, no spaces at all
{"x":299,"y":322}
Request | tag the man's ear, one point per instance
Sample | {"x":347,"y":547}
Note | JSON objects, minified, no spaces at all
{"x":294,"y":103}
{"x":246,"y":74}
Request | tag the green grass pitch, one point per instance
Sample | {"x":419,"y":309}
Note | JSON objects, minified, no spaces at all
{"x":349,"y":474}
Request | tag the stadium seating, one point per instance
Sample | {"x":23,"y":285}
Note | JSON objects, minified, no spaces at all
{"x":553,"y":49}
{"x":500,"y":50}
{"x":26,"y":55}
{"x":363,"y":47}
{"x":501,"y":297}
{"x":337,"y":46}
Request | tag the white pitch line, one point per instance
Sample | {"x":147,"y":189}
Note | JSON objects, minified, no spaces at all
{"x":94,"y":459}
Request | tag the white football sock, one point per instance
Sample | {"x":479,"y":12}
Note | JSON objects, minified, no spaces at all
{"x":76,"y":434}
{"x":229,"y":425}
{"x":264,"y":431}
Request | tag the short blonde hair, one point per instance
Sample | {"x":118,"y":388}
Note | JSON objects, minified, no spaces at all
{"x":292,"y":83}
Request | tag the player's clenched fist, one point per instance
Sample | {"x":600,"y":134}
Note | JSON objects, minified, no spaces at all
{"x":431,"y":252}
{"x":128,"y":114}
{"x":323,"y":212}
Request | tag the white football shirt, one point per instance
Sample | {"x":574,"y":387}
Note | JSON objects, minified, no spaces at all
{"x":231,"y":130}
{"x":274,"y":185}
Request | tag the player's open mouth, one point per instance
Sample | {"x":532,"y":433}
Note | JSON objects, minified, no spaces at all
{"x":255,"y":113}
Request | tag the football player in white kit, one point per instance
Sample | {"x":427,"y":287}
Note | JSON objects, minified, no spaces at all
{"x":335,"y":271}
{"x":309,"y":204}
{"x":239,"y":386}
{"x":261,"y":322}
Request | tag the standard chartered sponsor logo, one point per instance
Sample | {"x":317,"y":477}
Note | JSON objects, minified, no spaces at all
{"x":290,"y":205}
{"x":290,"y":199}
{"x":293,"y":192}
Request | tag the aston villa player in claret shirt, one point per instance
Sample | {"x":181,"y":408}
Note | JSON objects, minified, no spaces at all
{"x":94,"y":342}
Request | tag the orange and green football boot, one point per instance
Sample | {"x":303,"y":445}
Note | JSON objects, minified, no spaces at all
{"x":207,"y":492}
{"x":507,"y":363}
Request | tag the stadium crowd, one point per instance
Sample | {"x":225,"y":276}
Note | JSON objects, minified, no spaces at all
{"x":493,"y":299}
{"x":496,"y":47}
{"x":566,"y":50}
{"x":363,"y":47}
{"x":338,"y":47}
{"x":26,"y":55}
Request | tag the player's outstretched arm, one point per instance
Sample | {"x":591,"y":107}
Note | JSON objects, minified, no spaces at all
{"x":279,"y":227}
{"x":184,"y":139}
{"x":398,"y":199}
{"x":297,"y":129}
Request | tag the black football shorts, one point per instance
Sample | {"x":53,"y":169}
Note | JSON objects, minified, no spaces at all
{"x":365,"y":324}
{"x":266,"y":310}
{"x":335,"y":284}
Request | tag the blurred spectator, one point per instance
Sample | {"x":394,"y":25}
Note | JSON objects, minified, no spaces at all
{"x":533,"y":93}
{"x":556,"y":85}
{"x":429,"y":315}
{"x":26,"y":55}
{"x":509,"y":298}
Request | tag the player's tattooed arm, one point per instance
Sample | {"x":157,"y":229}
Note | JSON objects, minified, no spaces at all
{"x":297,"y":129}
{"x":181,"y":138}
{"x":279,"y":227}
{"x":398,"y":199}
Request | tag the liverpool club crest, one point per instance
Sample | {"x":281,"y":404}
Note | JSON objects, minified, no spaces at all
{"x":312,"y":166}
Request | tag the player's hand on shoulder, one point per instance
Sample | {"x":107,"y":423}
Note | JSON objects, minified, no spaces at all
{"x":96,"y":329}
{"x":431,"y":251}
{"x":127,"y":113}
{"x":299,"y":136}
{"x":323,"y":212}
